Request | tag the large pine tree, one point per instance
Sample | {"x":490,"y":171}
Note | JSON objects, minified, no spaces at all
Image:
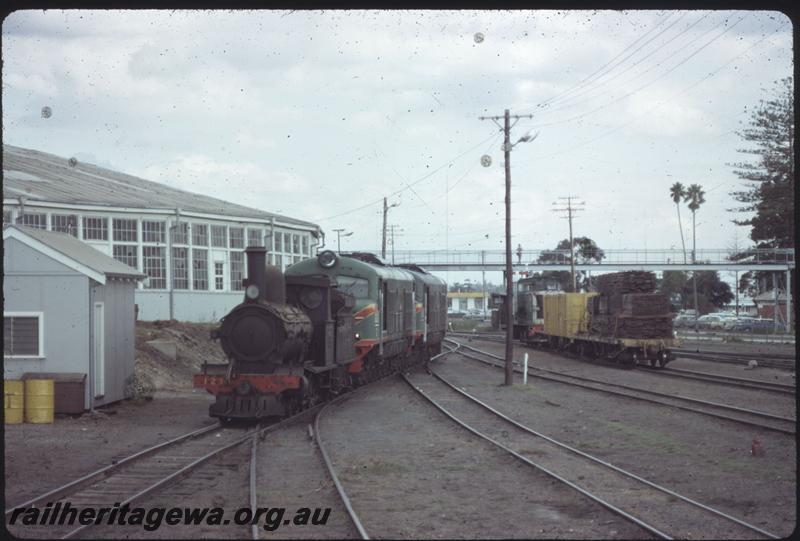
{"x":769,"y":191}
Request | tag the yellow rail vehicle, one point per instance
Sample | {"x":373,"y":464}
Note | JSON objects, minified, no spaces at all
{"x":572,"y":322}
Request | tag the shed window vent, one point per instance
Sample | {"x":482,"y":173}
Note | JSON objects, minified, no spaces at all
{"x":22,"y":335}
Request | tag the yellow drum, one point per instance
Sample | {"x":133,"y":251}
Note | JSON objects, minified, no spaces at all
{"x":14,"y":400}
{"x":39,"y":400}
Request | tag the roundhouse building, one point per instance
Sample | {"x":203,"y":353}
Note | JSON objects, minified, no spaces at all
{"x":190,"y":246}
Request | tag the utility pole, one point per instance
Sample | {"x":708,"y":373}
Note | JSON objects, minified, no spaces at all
{"x":385,"y":212}
{"x":507,"y":146}
{"x":483,"y":279}
{"x":339,"y":236}
{"x":391,"y":238}
{"x":570,"y":209}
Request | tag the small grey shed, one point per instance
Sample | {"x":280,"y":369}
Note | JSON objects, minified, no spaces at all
{"x":68,"y":309}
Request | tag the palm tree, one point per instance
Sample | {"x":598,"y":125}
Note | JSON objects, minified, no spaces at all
{"x":677,"y":192}
{"x":694,"y":196}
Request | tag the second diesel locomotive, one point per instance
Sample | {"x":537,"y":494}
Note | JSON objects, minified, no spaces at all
{"x":330,"y":324}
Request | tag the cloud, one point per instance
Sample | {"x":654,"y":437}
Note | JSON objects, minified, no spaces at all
{"x":245,"y":183}
{"x":657,"y":114}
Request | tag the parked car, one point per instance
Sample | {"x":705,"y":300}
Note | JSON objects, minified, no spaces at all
{"x":753,"y":324}
{"x":711,"y":322}
{"x":683,"y":320}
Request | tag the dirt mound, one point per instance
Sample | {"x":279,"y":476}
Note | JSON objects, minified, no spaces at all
{"x":194,"y":347}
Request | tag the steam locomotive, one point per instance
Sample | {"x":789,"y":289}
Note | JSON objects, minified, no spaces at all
{"x":330,"y":324}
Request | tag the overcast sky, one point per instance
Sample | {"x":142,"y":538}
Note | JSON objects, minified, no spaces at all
{"x":319,"y":115}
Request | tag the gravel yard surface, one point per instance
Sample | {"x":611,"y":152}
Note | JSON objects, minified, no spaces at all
{"x":411,"y":473}
{"x":778,"y":404}
{"x":698,"y":456}
{"x":755,"y":348}
{"x":664,"y":512}
{"x":292,"y":475}
{"x":41,"y":457}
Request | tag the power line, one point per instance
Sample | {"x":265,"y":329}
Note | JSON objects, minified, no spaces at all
{"x":563,"y":105}
{"x":670,"y":70}
{"x":659,"y":104}
{"x":428,"y":175}
{"x":588,"y":78}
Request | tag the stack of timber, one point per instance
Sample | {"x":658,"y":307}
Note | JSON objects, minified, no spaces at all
{"x":620,"y":283}
{"x":627,"y":307}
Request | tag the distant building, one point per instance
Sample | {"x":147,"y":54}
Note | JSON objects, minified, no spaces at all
{"x":190,"y":246}
{"x":765,"y":304}
{"x":462,"y":301}
{"x":67,"y":309}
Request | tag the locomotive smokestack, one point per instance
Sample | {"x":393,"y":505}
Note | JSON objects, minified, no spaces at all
{"x":274,"y":285}
{"x":256,"y":268}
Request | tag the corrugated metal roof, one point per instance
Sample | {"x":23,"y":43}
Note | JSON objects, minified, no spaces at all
{"x":80,"y":252}
{"x":45,"y":177}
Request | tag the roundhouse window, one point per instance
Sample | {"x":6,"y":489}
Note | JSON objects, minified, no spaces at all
{"x":95,"y":228}
{"x":218,"y":236}
{"x":236,"y":235}
{"x":124,"y":230}
{"x":152,"y":231}
{"x":155,"y":266}
{"x":33,"y":219}
{"x":64,"y":223}
{"x":200,"y":269}
{"x":237,"y":270}
{"x":180,"y":275}
{"x":180,"y":233}
{"x":200,"y":234}
{"x":126,"y":253}
{"x":254,"y":237}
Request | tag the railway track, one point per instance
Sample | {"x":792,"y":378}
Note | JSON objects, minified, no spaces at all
{"x":132,"y":478}
{"x":354,"y":518}
{"x":760,"y":419}
{"x":732,"y":381}
{"x":656,"y":509}
{"x":786,"y":362}
{"x":777,"y":362}
{"x":773,"y":360}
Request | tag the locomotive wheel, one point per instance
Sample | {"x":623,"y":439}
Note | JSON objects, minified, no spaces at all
{"x":653,"y":362}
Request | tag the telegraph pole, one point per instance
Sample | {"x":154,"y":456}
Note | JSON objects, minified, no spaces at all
{"x":570,"y":209}
{"x":392,"y":229}
{"x":385,"y":212}
{"x":507,"y":146}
